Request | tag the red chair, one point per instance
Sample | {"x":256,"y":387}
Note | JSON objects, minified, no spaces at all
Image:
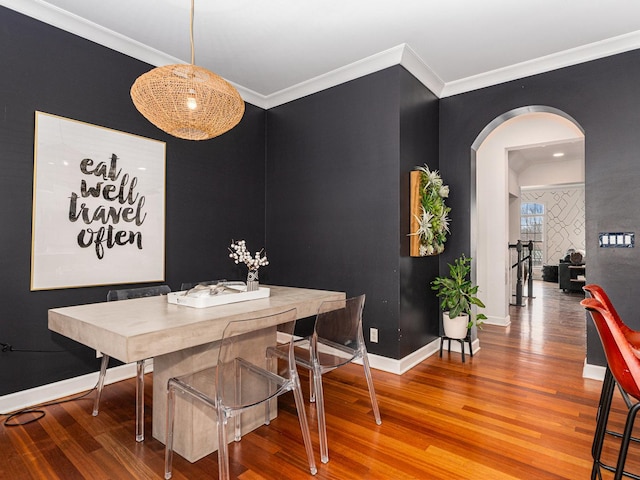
{"x":624,"y":367}
{"x":632,"y":336}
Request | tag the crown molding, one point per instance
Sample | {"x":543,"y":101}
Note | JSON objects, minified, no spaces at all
{"x":555,"y":186}
{"x":335,"y":77}
{"x":574,"y":56}
{"x":64,"y":20}
{"x":399,"y":55}
{"x":419,"y":69}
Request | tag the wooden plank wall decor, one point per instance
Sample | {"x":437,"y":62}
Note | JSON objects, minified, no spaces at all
{"x":416,"y":212}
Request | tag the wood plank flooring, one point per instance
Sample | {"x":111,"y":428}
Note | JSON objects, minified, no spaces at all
{"x":519,"y":409}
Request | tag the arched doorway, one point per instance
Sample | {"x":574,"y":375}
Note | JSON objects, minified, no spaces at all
{"x":490,"y":196}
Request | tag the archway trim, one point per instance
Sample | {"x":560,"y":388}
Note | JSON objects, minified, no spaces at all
{"x":500,"y":119}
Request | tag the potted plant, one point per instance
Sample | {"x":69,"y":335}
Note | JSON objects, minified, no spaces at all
{"x":457,"y":294}
{"x":240,"y":254}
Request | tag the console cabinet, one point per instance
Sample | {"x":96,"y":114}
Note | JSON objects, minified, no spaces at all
{"x":571,"y":277}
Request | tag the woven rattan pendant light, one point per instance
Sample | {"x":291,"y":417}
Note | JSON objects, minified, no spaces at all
{"x":188,"y":101}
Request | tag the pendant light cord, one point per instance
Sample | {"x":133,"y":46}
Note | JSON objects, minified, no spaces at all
{"x":191,"y":29}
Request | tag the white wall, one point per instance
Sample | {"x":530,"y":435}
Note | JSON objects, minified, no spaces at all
{"x":514,"y":219}
{"x":562,"y":172}
{"x":559,"y":172}
{"x":492,"y":186}
{"x":514,"y":183}
{"x":564,"y":218}
{"x":514,"y":206}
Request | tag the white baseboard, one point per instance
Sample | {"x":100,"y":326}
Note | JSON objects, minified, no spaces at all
{"x":407,"y":363}
{"x":499,"y":321}
{"x":54,"y":391}
{"x":64,"y":388}
{"x":399,"y":367}
{"x":594,"y":372}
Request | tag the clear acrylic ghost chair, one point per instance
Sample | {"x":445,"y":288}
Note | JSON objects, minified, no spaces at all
{"x":126,"y":294}
{"x":236,"y":384}
{"x":337,"y":340}
{"x":190,"y":285}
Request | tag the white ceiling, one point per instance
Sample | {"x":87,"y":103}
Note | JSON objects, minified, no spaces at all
{"x":277,"y":50}
{"x":522,"y":158}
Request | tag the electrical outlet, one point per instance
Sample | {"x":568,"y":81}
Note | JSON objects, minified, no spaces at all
{"x":373,"y":335}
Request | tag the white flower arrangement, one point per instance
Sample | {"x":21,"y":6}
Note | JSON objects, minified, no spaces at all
{"x":433,"y":222}
{"x":240,"y":254}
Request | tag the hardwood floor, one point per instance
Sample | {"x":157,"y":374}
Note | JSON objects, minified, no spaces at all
{"x":519,"y":409}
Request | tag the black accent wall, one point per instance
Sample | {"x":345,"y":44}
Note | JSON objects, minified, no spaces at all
{"x":215,"y":189}
{"x":338,"y":167}
{"x":604,"y":98}
{"x":322,"y":182}
{"x":332,"y":168}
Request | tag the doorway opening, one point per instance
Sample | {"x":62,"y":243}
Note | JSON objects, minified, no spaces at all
{"x":507,"y":161}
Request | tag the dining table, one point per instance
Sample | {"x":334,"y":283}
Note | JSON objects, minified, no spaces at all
{"x":180,"y":339}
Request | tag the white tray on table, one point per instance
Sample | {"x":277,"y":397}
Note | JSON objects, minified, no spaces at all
{"x":223,"y":298}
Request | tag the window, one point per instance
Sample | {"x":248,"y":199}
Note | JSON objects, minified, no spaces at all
{"x":532,"y":228}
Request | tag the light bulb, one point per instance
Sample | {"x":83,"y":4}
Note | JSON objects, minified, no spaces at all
{"x":191,"y":103}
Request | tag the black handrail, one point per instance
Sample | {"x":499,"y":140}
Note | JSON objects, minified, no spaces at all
{"x":521,"y":259}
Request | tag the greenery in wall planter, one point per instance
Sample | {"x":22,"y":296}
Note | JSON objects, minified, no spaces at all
{"x":432,"y":218}
{"x":457,"y":294}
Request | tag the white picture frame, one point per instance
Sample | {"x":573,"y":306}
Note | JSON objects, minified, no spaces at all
{"x":98,"y":206}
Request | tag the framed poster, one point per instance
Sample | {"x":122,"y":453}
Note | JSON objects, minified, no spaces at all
{"x":98,"y":206}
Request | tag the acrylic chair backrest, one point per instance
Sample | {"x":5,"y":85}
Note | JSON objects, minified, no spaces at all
{"x":129,"y":293}
{"x":621,"y":359}
{"x":339,"y":323}
{"x":236,"y":337}
{"x":633,"y":336}
{"x":190,"y":285}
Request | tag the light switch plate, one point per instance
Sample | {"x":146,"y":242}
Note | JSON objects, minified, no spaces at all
{"x":616,"y":239}
{"x":373,"y":335}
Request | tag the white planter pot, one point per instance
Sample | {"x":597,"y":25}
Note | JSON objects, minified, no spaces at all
{"x":455,"y":327}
